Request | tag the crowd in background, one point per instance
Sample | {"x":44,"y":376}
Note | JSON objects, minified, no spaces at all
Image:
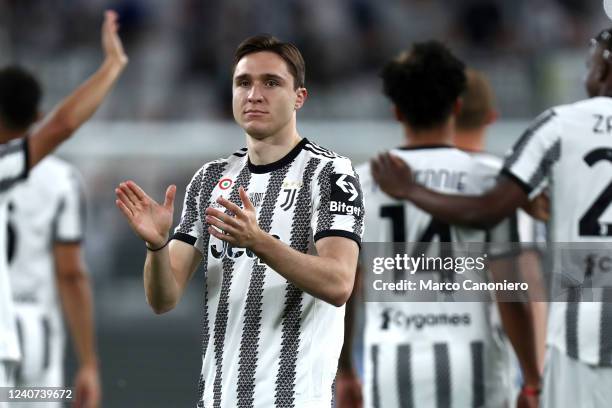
{"x":181,"y":50}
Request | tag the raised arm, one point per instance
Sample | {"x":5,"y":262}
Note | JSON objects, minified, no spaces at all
{"x":167,"y":268}
{"x":79,"y":106}
{"x":395,"y":178}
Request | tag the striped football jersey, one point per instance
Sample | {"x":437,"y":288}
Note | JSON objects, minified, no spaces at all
{"x":266,"y":342}
{"x":423,"y":354}
{"x":569,"y":150}
{"x":48,"y":208}
{"x":13,"y":168}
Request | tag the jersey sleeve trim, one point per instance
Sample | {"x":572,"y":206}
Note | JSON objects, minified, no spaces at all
{"x":186,"y":238}
{"x":526,"y":187}
{"x":338,"y":233}
{"x":26,"y":154}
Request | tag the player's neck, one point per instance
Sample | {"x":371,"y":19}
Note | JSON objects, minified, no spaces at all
{"x":470,"y":140}
{"x":272,"y":148}
{"x":442,"y":135}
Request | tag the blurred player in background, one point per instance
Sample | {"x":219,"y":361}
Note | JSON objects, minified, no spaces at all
{"x":45,"y":229}
{"x":22,"y":153}
{"x":277,"y":226}
{"x":476,"y":115}
{"x":564,"y":148}
{"x":440,"y":354}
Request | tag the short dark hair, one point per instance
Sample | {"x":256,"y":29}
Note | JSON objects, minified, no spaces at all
{"x":287,"y":51}
{"x":20,"y":95}
{"x":424,"y":83}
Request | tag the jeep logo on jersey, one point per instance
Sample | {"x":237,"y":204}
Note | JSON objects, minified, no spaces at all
{"x":345,"y":195}
{"x":225,"y":183}
{"x":227,"y":250}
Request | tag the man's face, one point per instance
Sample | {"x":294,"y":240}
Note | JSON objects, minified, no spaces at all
{"x":264,"y":99}
{"x":595,"y":67}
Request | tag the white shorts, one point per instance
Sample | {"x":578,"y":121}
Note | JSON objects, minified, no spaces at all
{"x":42,"y":348}
{"x":570,"y":383}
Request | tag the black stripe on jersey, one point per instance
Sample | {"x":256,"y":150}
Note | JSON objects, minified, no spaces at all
{"x":550,"y":157}
{"x":527,"y":135}
{"x":375,"y":391}
{"x":190,"y":210}
{"x":289,"y":157}
{"x":249,"y":353}
{"x":316,"y":152}
{"x":240,"y":152}
{"x":443,"y":375}
{"x":46,"y":326}
{"x":605,"y":330}
{"x":78,"y":188}
{"x":221,"y":318}
{"x":21,"y":342}
{"x":314,"y":148}
{"x":325,"y":218}
{"x":7,"y":183}
{"x":26,"y":152}
{"x":333,"y":391}
{"x":478,"y":386}
{"x":203,"y":187}
{"x":201,"y":384}
{"x":12,"y":148}
{"x":358,"y":225}
{"x":571,"y":322}
{"x":404,"y":376}
{"x":291,"y":325}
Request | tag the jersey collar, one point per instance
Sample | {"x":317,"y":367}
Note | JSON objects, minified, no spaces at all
{"x":288,"y":158}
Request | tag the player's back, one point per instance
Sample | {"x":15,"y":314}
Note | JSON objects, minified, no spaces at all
{"x":45,"y":210}
{"x":38,"y":218}
{"x":570,"y":148}
{"x":443,"y":168}
{"x":421,"y":353}
{"x":580,"y":161}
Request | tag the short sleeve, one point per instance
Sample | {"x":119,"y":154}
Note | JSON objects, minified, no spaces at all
{"x":338,"y":202}
{"x":69,"y":224}
{"x":190,"y":228}
{"x":13,"y":163}
{"x":530,"y":161}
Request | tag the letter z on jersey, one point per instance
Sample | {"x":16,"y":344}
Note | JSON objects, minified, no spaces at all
{"x":345,"y":196}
